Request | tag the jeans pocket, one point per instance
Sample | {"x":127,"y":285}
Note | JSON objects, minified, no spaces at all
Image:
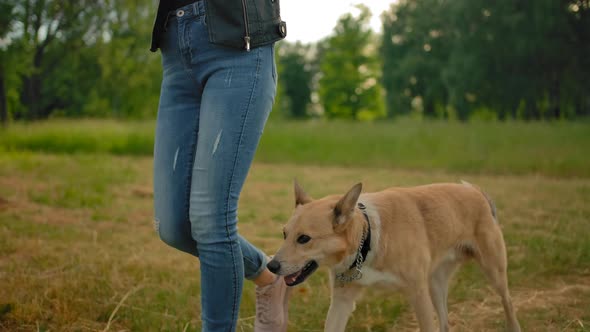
{"x":198,"y":38}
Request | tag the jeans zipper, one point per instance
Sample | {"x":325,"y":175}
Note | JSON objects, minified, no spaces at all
{"x":247,"y":36}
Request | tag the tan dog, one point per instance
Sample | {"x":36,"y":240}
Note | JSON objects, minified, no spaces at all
{"x":409,"y":239}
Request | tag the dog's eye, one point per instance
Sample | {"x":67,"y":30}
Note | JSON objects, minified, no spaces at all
{"x":302,"y":239}
{"x":284,"y":235}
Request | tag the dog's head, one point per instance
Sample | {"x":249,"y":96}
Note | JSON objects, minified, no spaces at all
{"x":320,"y":232}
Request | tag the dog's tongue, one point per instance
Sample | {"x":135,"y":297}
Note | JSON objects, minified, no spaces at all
{"x":290,"y":279}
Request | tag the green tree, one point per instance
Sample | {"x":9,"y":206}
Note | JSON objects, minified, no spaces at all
{"x":130,"y":75}
{"x":414,"y":48}
{"x":522,"y":59}
{"x":43,"y":26}
{"x":83,"y":58}
{"x":295,"y":78}
{"x":349,"y":83}
{"x":6,"y":19}
{"x":526,"y":59}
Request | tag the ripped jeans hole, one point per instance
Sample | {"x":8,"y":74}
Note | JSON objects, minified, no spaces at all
{"x":157,"y":225}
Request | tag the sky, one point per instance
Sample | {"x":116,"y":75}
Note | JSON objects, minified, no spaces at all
{"x":312,"y":20}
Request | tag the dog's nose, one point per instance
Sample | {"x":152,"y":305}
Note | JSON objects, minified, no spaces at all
{"x":273,"y":266}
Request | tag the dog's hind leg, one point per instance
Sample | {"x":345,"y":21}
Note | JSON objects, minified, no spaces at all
{"x":439,"y":290}
{"x":491,"y":257}
{"x":341,"y":306}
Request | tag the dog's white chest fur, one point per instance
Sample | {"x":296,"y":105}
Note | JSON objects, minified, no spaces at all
{"x":372,"y":276}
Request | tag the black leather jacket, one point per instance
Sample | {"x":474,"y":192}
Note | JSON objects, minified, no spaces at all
{"x":241,"y":24}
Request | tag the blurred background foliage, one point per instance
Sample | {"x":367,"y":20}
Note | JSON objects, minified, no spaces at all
{"x":448,"y":59}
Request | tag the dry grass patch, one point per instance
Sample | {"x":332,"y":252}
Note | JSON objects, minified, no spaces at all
{"x":90,"y":260}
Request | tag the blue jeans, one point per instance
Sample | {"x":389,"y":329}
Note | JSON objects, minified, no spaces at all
{"x":214,"y":104}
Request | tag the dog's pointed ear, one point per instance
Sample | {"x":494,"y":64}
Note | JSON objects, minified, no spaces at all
{"x":346,"y":204}
{"x":300,"y":196}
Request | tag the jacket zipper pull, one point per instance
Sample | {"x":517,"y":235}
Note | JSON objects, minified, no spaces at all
{"x":247,"y":40}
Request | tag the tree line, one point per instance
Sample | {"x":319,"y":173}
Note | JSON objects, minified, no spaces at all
{"x":454,"y":59}
{"x":77,"y":58}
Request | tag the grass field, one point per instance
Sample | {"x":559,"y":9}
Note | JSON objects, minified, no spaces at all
{"x":78,"y":251}
{"x":553,"y":149}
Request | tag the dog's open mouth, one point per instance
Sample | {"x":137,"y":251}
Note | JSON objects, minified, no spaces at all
{"x":300,"y":276}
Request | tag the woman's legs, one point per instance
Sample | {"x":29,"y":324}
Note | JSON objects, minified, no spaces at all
{"x":235,"y":104}
{"x":214,"y":104}
{"x":174,"y":149}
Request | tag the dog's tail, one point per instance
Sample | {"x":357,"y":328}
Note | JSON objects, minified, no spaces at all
{"x":487,"y":197}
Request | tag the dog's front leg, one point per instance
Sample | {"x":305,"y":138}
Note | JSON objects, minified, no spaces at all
{"x":419,"y":297}
{"x":341,"y":306}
